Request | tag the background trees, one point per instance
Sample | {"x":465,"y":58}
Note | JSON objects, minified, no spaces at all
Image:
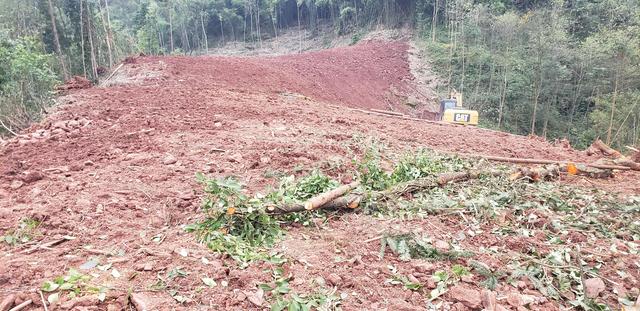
{"x":557,"y":68}
{"x":554,"y":68}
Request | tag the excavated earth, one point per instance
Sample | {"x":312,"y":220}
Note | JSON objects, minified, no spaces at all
{"x":113,"y":167}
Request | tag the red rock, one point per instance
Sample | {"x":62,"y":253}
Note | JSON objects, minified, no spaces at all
{"x":441,"y":245}
{"x":334,"y":279}
{"x":141,"y":301}
{"x":32,"y":177}
{"x":240,"y":297}
{"x":431,"y":284}
{"x":468,"y":296}
{"x":522,"y":284}
{"x":256,"y":298}
{"x":16,"y":184}
{"x":60,"y":125}
{"x":169,"y":159}
{"x":186,"y":195}
{"x":593,"y":287}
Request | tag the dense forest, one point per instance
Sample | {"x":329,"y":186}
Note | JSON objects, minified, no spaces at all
{"x":553,"y":68}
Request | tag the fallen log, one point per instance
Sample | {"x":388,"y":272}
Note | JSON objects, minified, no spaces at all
{"x":422,"y":184}
{"x":544,"y":161}
{"x":327,"y":197}
{"x":350,"y":201}
{"x":339,"y":199}
{"x":591,"y":172}
{"x":606,"y":150}
{"x":111,"y":75}
{"x":624,"y":161}
{"x":389,"y":112}
{"x":618,"y":158}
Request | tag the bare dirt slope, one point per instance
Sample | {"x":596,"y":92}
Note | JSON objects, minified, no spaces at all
{"x":114,"y":168}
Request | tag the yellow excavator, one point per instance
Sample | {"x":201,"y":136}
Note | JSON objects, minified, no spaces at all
{"x":452,"y":111}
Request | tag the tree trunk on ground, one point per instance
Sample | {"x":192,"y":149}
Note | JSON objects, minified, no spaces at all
{"x":605,"y":149}
{"x":339,"y":199}
{"x":350,"y":201}
{"x":545,"y":161}
{"x":624,"y":161}
{"x":326,"y":197}
{"x":619,"y":159}
{"x":56,"y":41}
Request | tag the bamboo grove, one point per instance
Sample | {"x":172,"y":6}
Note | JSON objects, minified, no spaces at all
{"x":553,"y":68}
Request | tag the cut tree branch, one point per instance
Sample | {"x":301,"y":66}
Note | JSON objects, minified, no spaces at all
{"x":111,"y":75}
{"x":339,"y":199}
{"x":606,"y":150}
{"x":544,"y":161}
{"x":327,"y":197}
{"x":618,"y":158}
{"x":8,"y":129}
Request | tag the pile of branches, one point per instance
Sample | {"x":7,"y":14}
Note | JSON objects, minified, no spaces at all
{"x":344,"y":197}
{"x":615,"y":157}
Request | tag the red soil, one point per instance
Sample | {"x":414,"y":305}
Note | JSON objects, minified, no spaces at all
{"x":114,"y":167}
{"x":75,"y":83}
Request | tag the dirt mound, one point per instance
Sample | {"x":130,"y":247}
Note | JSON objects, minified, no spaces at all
{"x":75,"y":83}
{"x":373,"y":74}
{"x":111,"y":174}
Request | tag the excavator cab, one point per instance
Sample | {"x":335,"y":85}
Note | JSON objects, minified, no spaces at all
{"x":452,"y":111}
